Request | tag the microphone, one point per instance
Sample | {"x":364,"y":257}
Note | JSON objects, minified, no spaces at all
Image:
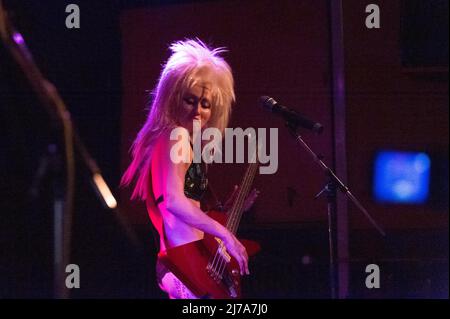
{"x":289,"y":115}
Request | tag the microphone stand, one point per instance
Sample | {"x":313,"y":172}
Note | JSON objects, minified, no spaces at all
{"x":63,"y":192}
{"x":333,"y":183}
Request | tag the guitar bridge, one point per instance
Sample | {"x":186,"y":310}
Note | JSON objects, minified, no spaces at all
{"x":222,"y":250}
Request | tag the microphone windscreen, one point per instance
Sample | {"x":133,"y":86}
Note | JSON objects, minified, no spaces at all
{"x":267,"y":102}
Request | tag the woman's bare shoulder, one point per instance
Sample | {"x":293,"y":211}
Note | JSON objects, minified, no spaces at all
{"x":168,"y":138}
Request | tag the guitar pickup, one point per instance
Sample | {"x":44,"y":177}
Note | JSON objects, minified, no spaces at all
{"x":222,"y":250}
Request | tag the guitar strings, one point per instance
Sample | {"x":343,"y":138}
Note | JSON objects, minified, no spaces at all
{"x":218,"y":262}
{"x":233,"y":225}
{"x":234,"y":222}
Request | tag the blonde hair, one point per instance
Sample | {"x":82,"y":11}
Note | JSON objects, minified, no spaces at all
{"x":188,"y":58}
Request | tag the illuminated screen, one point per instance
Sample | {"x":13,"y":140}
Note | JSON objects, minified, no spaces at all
{"x":401,"y":177}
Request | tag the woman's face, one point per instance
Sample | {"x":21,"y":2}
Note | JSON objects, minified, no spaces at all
{"x":196,"y":105}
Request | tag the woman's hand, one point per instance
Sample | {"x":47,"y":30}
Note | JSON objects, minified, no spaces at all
{"x":248,"y":203}
{"x":238,"y":251}
{"x":250,"y":200}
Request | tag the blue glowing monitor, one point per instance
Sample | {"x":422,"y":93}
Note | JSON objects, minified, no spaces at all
{"x":401,"y":177}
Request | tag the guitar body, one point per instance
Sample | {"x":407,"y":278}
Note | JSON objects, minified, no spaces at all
{"x":189,"y":263}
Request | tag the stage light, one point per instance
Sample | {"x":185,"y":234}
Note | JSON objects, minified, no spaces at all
{"x":401,"y":177}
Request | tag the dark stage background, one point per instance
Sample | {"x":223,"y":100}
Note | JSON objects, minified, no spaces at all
{"x":396,"y":97}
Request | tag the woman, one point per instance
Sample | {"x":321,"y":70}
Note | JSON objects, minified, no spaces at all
{"x":196,"y":85}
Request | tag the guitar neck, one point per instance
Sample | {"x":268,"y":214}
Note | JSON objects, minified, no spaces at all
{"x":237,"y":209}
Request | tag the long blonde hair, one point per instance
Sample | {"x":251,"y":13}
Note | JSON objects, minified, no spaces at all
{"x":188,"y":58}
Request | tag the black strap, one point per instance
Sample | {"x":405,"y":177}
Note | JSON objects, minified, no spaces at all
{"x":159,"y":200}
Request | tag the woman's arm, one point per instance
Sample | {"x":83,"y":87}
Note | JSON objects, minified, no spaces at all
{"x":170,"y":177}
